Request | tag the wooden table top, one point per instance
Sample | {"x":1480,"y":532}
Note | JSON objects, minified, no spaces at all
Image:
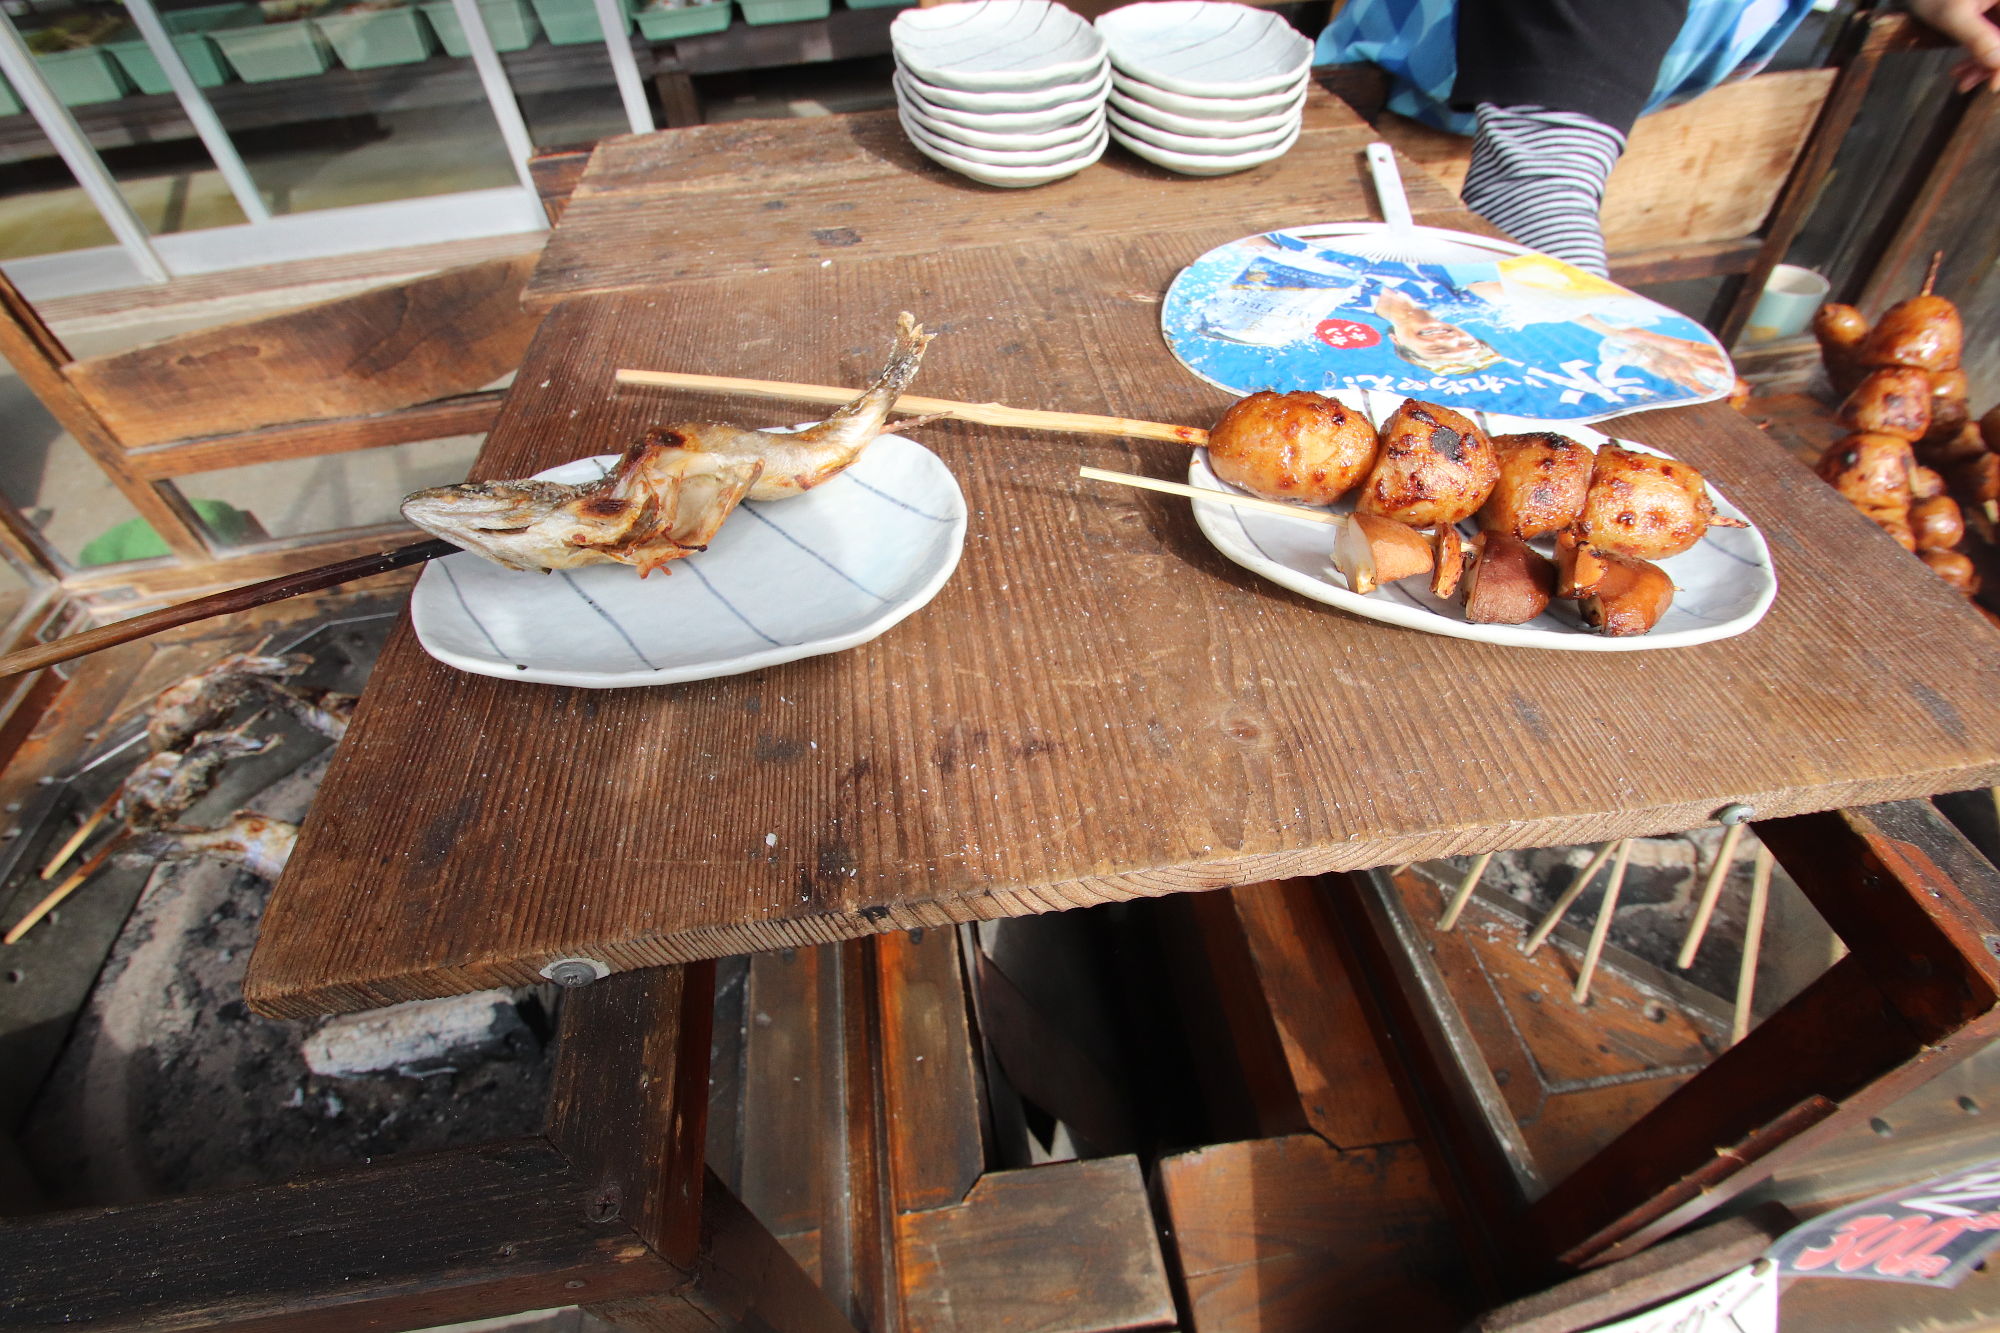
{"x":1097,"y":706}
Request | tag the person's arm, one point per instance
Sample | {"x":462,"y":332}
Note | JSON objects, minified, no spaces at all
{"x":1967,"y":23}
{"x":1556,"y":84}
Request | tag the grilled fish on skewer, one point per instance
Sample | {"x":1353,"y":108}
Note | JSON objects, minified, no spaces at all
{"x":669,"y":493}
{"x":208,"y":698}
{"x":325,"y":711}
{"x":260,"y":844}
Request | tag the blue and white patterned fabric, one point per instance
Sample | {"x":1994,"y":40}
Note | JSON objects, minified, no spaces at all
{"x":1415,"y":41}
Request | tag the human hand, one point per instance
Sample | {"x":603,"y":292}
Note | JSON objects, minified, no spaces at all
{"x":1966,"y":22}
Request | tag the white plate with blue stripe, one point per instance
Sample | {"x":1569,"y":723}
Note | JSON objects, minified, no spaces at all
{"x":818,"y":573}
{"x":1722,"y":587}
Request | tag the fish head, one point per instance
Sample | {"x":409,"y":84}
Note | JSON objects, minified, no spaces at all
{"x":504,"y":521}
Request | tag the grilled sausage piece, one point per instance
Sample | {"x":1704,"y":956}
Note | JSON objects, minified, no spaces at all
{"x":1292,"y":446}
{"x":1436,"y":466}
{"x":1644,"y":506}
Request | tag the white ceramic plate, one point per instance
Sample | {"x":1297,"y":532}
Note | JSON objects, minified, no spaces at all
{"x":1206,"y":49}
{"x":1045,"y":120}
{"x":1206,"y":164}
{"x":1076,"y":132}
{"x":1054,"y":155}
{"x":1013,"y":101}
{"x":1198,"y":145}
{"x":1211,"y":108}
{"x":1014,"y":178}
{"x":996,"y":44}
{"x":819,"y":573}
{"x":1198,"y":126}
{"x":1723,"y":586}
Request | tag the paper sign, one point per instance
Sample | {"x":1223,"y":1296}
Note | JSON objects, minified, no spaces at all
{"x":1933,"y":1233}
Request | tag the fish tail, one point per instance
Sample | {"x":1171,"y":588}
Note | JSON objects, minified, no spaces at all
{"x":871,"y":407}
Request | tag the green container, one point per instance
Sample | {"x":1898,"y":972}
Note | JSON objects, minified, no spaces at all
{"x":509,"y":23}
{"x":272,"y":51}
{"x":372,"y":38}
{"x":10,"y":105}
{"x":190,"y":27}
{"x":81,"y":78}
{"x":660,"y":25}
{"x":880,"y":4}
{"x":568,"y":22}
{"x":784,"y":11}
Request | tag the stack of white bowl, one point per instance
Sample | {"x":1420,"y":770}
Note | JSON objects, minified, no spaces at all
{"x":1008,"y":92}
{"x":1205,"y":88}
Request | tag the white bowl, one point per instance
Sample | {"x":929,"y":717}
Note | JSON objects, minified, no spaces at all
{"x":997,"y":157}
{"x":1211,"y":108}
{"x":1014,"y":178}
{"x":1005,"y":101}
{"x":1203,"y":147}
{"x":991,"y":45}
{"x":1146,"y":114}
{"x":1205,"y":49}
{"x":1203,"y":164}
{"x":1045,"y":120}
{"x":1073,"y":133}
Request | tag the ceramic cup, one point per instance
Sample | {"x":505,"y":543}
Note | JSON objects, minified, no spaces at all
{"x":1786,"y":308}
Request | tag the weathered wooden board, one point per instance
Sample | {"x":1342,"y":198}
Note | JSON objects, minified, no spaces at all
{"x":450,"y":333}
{"x":750,"y":197}
{"x":1052,"y":1249}
{"x":1097,"y":706}
{"x":1293,"y":1234}
{"x":1709,"y":169}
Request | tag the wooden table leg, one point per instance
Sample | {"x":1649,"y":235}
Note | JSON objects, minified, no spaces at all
{"x":629,"y":1108}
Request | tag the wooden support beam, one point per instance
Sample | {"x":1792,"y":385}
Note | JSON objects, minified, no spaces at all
{"x":428,"y":1239}
{"x":468,"y":414}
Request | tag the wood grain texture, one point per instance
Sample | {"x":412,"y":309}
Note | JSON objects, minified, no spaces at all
{"x":469,"y":414}
{"x":1097,"y":706}
{"x":1345,"y":1084}
{"x":455,"y":1235}
{"x":1064,"y":1248}
{"x":929,"y":1086}
{"x":750,"y":197}
{"x":450,"y":333}
{"x":1290,"y":1235}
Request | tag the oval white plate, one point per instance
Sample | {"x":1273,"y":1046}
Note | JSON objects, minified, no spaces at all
{"x":1198,"y":146}
{"x":996,"y":44}
{"x":1723,"y":586}
{"x":1211,"y":108}
{"x":819,"y":573}
{"x":1206,"y":49}
{"x":1199,"y":127}
{"x":1055,"y":155}
{"x":1076,"y":132}
{"x":1014,"y":178}
{"x":1012,"y":101}
{"x":1206,"y":164}
{"x":1042,"y":121}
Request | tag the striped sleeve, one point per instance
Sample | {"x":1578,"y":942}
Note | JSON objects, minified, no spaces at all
{"x":1538,"y":175}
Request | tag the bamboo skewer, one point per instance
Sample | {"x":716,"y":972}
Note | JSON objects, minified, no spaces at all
{"x":60,"y":892}
{"x":1753,"y":943}
{"x":1277,"y":507}
{"x":985,"y":414}
{"x":1718,"y":873}
{"x":82,"y":834}
{"x":221,"y":604}
{"x":1464,"y":895}
{"x":1570,"y":895}
{"x":1600,"y":931}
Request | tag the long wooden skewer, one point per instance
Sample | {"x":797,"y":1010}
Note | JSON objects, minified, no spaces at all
{"x":60,"y":892}
{"x":1753,"y":944}
{"x":1464,"y":895}
{"x":221,"y":604}
{"x":1718,"y":873}
{"x":985,"y":414}
{"x":82,"y":834}
{"x":1602,"y":929}
{"x":1278,"y":507}
{"x":1570,"y":895}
